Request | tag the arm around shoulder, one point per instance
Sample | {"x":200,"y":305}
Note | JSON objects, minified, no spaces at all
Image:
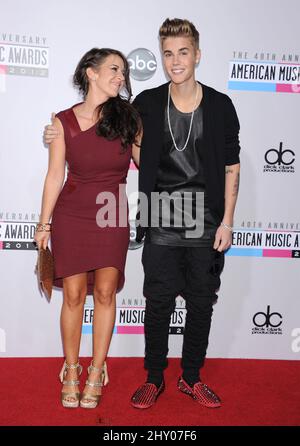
{"x":50,"y":131}
{"x":57,"y":153}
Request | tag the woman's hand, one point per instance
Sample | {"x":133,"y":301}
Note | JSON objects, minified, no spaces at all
{"x":42,"y":235}
{"x":42,"y":238}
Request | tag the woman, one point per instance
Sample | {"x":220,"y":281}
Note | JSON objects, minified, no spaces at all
{"x":96,"y":138}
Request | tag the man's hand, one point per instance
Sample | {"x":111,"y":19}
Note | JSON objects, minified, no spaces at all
{"x":50,"y":132}
{"x":223,"y":239}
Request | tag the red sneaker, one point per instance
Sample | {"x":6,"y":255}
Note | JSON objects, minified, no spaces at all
{"x":146,"y":395}
{"x":200,"y":393}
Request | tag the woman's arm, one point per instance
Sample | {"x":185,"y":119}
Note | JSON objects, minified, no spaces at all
{"x":53,"y":181}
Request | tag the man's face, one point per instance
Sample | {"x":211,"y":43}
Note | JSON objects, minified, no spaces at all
{"x":180,"y":58}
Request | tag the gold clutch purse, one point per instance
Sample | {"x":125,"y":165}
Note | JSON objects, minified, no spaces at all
{"x":45,"y":271}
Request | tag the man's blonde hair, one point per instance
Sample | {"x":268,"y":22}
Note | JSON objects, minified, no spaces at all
{"x":179,"y":28}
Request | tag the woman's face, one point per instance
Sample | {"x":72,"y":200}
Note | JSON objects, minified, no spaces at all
{"x":109,"y":78}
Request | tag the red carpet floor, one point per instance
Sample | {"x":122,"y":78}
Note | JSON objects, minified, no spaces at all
{"x":254,"y":393}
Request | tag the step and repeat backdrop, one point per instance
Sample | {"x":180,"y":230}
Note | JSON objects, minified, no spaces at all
{"x":250,"y":51}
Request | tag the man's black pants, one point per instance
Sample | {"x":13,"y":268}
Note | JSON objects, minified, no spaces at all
{"x":193,"y":273}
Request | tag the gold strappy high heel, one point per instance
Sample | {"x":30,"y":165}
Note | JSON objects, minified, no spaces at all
{"x":89,"y":400}
{"x":65,"y":395}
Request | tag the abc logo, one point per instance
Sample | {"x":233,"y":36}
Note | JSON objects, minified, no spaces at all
{"x":142,"y":64}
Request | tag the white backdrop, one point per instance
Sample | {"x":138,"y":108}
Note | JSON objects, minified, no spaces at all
{"x":250,"y":50}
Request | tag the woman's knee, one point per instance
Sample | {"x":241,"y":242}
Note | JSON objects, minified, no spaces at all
{"x":74,"y":298}
{"x":104,"y":295}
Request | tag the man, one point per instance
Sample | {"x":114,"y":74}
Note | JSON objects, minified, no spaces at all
{"x":190,"y":148}
{"x":190,"y":144}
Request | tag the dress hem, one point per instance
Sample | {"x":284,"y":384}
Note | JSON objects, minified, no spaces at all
{"x":58,"y":280}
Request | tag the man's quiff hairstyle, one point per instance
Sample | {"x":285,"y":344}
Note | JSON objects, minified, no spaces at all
{"x":179,"y":28}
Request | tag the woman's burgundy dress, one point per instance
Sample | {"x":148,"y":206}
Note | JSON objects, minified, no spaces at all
{"x":95,"y":165}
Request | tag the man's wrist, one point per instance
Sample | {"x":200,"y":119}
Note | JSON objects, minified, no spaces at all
{"x":225,"y":225}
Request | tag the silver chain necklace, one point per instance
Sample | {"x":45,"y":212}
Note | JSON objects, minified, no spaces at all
{"x":191,"y":123}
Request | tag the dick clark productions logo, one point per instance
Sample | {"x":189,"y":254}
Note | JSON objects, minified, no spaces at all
{"x":279,"y":160}
{"x":267,"y":319}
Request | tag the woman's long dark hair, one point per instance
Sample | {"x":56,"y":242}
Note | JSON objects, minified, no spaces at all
{"x":119,"y":119}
